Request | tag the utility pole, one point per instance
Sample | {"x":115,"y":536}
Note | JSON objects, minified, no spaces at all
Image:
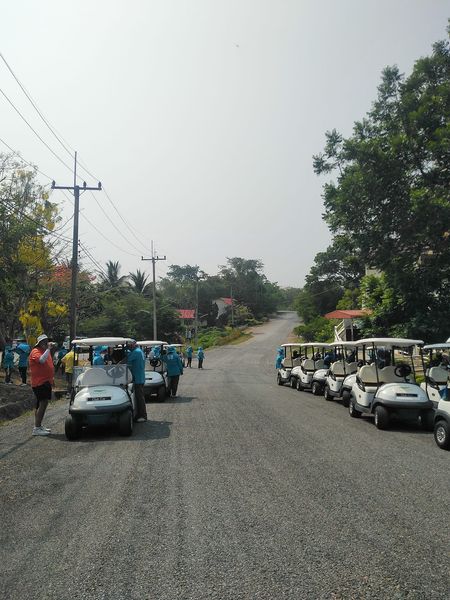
{"x":154,"y":259}
{"x":75,"y":189}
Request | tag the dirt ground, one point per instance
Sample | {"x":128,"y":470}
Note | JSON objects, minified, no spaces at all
{"x":16,"y":399}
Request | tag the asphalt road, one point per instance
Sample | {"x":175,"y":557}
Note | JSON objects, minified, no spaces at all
{"x":237,"y":489}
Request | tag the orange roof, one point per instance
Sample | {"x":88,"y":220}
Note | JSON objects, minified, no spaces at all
{"x":186,"y":313}
{"x":348,"y":314}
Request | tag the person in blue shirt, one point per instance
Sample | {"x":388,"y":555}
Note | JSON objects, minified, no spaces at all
{"x":8,"y":360}
{"x":189,"y":353}
{"x":23,"y":350}
{"x":174,"y":366}
{"x":279,"y":358}
{"x":98,"y":357}
{"x":136,"y":364}
{"x":201,"y":357}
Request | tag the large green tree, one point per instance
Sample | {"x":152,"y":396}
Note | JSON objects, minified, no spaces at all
{"x":390,"y":200}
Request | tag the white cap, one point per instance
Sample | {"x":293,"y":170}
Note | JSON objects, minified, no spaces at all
{"x":40,"y":339}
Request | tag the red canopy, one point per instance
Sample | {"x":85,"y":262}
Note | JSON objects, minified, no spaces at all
{"x":348,"y":314}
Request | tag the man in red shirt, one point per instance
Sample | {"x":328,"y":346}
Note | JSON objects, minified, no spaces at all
{"x":42,"y":375}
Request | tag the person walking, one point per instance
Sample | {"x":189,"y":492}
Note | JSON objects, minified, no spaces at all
{"x":42,"y":379}
{"x":189,"y":353}
{"x":136,"y":363}
{"x":8,"y":360}
{"x":201,"y":357}
{"x":67,"y":362}
{"x":279,"y":358}
{"x":23,"y":350}
{"x":174,"y":366}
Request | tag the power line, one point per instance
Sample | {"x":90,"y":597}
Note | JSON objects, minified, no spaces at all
{"x":35,"y":132}
{"x":22,"y":87}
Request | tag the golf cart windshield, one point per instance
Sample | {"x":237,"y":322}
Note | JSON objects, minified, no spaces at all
{"x":101,"y":375}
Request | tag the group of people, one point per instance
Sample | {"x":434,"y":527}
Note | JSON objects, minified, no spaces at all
{"x":41,"y":362}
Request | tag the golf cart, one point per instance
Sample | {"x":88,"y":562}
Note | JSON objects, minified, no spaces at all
{"x":292,"y":358}
{"x":310,"y":374}
{"x":436,"y":386}
{"x":155,"y":379}
{"x":342,"y":373}
{"x":101,"y":394}
{"x":387,"y":386}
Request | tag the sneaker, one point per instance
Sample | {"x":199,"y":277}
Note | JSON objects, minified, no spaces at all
{"x":40,"y":431}
{"x":22,"y":384}
{"x":141,"y":420}
{"x":46,"y":429}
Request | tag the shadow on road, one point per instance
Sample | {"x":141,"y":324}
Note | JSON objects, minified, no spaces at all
{"x":179,"y":400}
{"x":151,"y":430}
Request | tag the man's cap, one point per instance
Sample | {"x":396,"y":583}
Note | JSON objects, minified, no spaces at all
{"x":40,"y":339}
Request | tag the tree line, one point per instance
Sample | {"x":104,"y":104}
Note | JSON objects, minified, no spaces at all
{"x":387,"y":206}
{"x":35,"y":278}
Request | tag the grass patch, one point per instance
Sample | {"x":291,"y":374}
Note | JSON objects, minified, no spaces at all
{"x":214,"y":336}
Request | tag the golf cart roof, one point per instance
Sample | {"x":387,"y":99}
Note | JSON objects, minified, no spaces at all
{"x":343,"y":344}
{"x":443,"y":346}
{"x":103,"y":341}
{"x":151,"y":343}
{"x":174,"y":345}
{"x":402,"y":342}
{"x":291,"y":345}
{"x":316,"y":345}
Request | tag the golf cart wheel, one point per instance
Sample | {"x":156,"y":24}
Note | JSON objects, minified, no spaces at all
{"x":126,"y":423}
{"x":161,"y":395}
{"x":326,"y":394}
{"x":381,"y":417}
{"x":352,"y":411}
{"x":72,"y":428}
{"x":315,"y":388}
{"x":346,"y":398}
{"x":427,"y":420}
{"x":442,"y":435}
{"x":299,"y":385}
{"x":293,"y":383}
{"x":279,"y":379}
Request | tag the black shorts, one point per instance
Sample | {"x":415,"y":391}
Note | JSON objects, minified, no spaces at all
{"x":43,"y":392}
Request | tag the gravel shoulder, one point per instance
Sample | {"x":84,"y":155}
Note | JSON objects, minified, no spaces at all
{"x":237,"y":489}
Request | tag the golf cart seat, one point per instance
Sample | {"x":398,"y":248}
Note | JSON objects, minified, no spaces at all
{"x":368,"y":375}
{"x":351,"y":368}
{"x":308,"y":364}
{"x":297,"y":361}
{"x":337,"y":368}
{"x":387,"y":375}
{"x":438,"y":374}
{"x":319,"y":364}
{"x":93,"y":377}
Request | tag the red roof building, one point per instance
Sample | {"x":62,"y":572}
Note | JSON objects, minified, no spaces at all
{"x":348,"y":314}
{"x":186,"y":313}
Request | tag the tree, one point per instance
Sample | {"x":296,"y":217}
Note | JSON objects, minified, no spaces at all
{"x":390,"y":202}
{"x":138,"y":282}
{"x":112,"y":278}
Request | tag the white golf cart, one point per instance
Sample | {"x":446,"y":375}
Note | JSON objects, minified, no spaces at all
{"x":387,"y":387}
{"x":310,"y":374}
{"x":155,"y":379}
{"x":180,"y":350}
{"x":101,"y":394}
{"x":342,"y":373}
{"x":292,"y":358}
{"x":437,"y":386}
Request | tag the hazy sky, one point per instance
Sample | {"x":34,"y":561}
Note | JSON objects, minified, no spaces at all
{"x":200,"y":117}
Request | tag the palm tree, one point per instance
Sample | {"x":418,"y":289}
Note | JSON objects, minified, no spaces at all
{"x":112,"y":278}
{"x":138,"y":282}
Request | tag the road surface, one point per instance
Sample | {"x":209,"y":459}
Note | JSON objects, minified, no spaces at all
{"x":237,"y":489}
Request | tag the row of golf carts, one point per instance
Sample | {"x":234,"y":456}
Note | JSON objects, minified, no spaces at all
{"x":103,"y":394}
{"x":376,"y":377}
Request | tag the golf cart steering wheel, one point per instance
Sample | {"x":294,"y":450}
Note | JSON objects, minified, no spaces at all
{"x":116,"y":371}
{"x":402,"y":371}
{"x":155,"y":362}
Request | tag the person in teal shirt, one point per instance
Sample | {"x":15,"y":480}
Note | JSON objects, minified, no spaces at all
{"x":189,"y":353}
{"x":201,"y":357}
{"x":23,"y":350}
{"x":174,"y":366}
{"x":136,"y":364}
{"x":8,"y":361}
